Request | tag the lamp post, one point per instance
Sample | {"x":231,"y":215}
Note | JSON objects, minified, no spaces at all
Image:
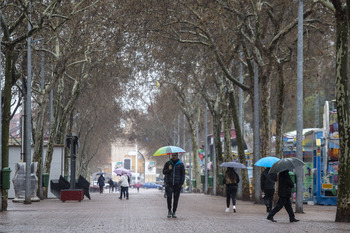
{"x":299,"y":149}
{"x":0,"y":114}
{"x":28,"y":119}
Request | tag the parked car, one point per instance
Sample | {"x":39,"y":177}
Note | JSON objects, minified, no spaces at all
{"x":151,"y":185}
{"x":133,"y":185}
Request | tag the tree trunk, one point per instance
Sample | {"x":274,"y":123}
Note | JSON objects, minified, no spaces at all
{"x":265,"y":114}
{"x":196,"y":168}
{"x":227,"y":141}
{"x":227,"y":133}
{"x":241,"y":153}
{"x":279,"y":111}
{"x":39,"y":141}
{"x":53,"y":133}
{"x":218,"y":148}
{"x":6,"y":117}
{"x":342,"y":101}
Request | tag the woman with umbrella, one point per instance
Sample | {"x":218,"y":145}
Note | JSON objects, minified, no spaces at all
{"x":231,"y":180}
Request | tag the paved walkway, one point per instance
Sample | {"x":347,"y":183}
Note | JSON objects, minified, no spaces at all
{"x":146,"y":212}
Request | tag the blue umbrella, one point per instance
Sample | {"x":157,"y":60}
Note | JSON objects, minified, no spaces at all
{"x":266,"y":161}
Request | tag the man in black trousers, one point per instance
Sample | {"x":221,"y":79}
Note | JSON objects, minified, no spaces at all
{"x":285,"y":185}
{"x":267,"y":182}
{"x":174,"y":172}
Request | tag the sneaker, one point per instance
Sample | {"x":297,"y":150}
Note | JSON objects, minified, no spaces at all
{"x":234,"y":209}
{"x":294,"y":220}
{"x":271,"y":219}
{"x":119,"y":198}
{"x":169,"y":214}
{"x":127,"y":198}
{"x":227,"y":210}
{"x":174,"y":215}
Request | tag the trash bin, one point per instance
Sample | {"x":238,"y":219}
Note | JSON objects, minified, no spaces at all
{"x":46,"y":180}
{"x":210,"y":181}
{"x":292,"y":176}
{"x":5,"y":175}
{"x":202,"y":178}
{"x":221,"y":179}
{"x":194,"y":183}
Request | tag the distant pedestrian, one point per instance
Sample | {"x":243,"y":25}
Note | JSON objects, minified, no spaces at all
{"x":111,"y":185}
{"x":285,"y":185}
{"x":124,"y":185}
{"x":101,"y":183}
{"x":267,"y":182}
{"x":231,"y":180}
{"x":138,"y":186}
{"x":174,"y":171}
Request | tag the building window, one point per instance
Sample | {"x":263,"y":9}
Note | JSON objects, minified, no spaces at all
{"x":127,"y":164}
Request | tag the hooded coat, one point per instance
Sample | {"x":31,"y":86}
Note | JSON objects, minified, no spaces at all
{"x":101,"y":180}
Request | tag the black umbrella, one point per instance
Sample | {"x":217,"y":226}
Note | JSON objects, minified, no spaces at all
{"x":233,"y":165}
{"x":286,"y":164}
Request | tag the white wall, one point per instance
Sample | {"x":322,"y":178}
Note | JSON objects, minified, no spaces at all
{"x":56,"y":170}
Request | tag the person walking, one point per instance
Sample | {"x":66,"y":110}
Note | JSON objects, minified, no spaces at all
{"x":174,"y":172}
{"x":267,"y":182}
{"x":285,"y":185}
{"x":124,"y":185}
{"x":231,"y":180}
{"x":111,"y":185}
{"x":138,"y":186}
{"x":101,"y":183}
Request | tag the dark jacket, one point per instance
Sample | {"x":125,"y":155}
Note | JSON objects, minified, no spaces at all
{"x":285,"y":184}
{"x":267,"y":180}
{"x":175,"y":176}
{"x":111,"y":183}
{"x":101,"y":181}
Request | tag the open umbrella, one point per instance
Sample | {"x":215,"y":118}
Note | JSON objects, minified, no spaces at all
{"x":266,"y":161}
{"x":167,"y":150}
{"x":119,"y":171}
{"x":233,"y":164}
{"x":286,"y":164}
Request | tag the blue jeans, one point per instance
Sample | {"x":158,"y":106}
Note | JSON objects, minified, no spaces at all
{"x":124,"y":189}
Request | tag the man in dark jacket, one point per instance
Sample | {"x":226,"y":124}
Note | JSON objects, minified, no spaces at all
{"x":267,"y":182}
{"x":285,"y":185}
{"x":174,"y":177}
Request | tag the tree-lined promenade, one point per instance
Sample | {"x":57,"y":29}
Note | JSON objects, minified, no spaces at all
{"x":135,"y":70}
